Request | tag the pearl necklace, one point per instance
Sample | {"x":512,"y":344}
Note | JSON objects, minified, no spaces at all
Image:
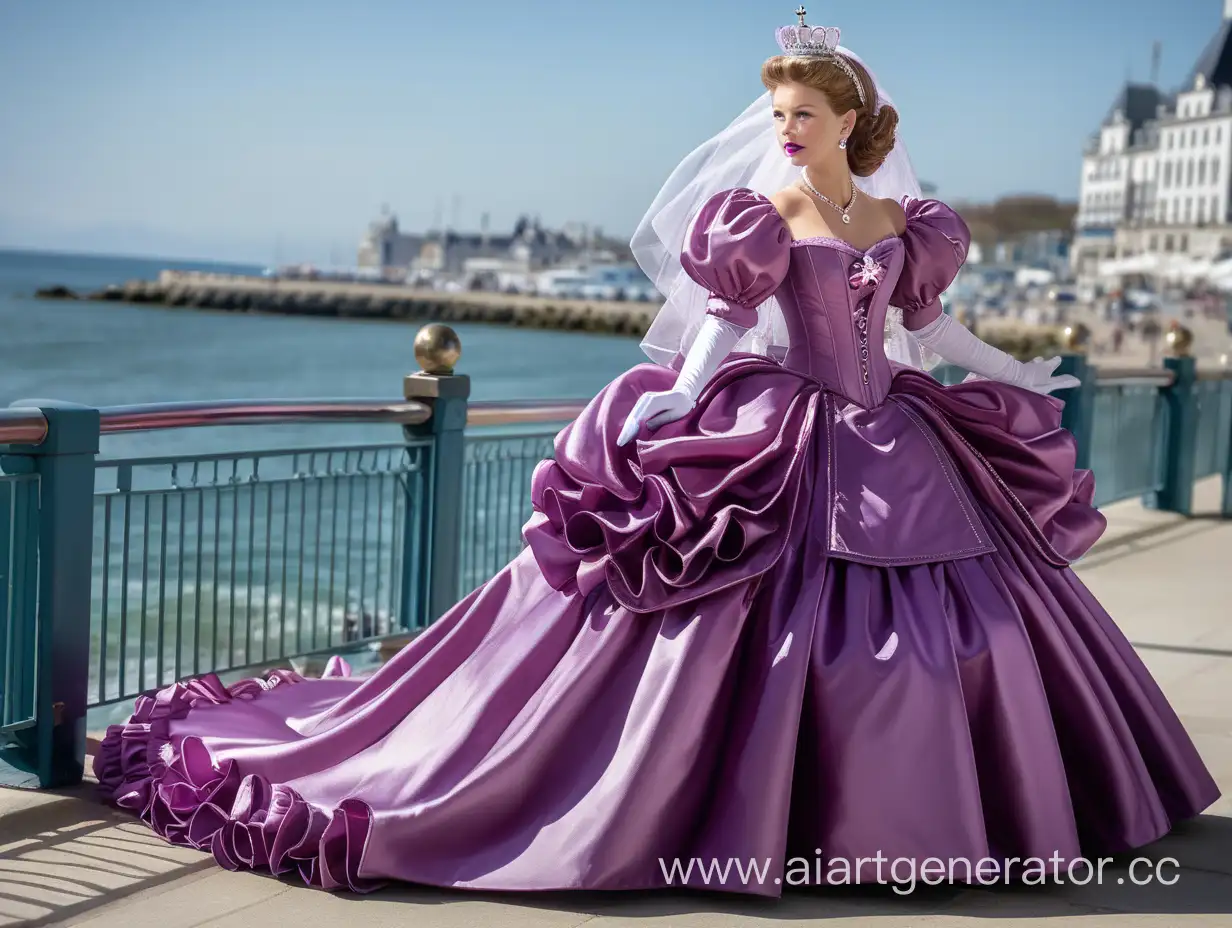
{"x":821,"y":196}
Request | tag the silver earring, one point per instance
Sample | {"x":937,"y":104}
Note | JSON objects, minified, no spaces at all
{"x":842,"y":143}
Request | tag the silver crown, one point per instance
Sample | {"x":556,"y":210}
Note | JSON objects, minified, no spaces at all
{"x":817,"y":42}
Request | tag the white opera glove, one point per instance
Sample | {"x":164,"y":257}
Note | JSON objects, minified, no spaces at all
{"x":715,"y":340}
{"x":957,"y":344}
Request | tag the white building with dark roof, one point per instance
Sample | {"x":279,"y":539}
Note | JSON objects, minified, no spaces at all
{"x":529,"y":247}
{"x":1157,"y":176}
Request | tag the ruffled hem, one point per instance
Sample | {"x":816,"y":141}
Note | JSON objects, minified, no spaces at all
{"x":696,"y":506}
{"x":246,"y":822}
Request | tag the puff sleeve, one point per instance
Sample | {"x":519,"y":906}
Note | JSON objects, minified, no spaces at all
{"x":738,"y":248}
{"x":935,"y":241}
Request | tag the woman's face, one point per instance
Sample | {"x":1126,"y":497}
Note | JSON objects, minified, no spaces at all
{"x":808,"y":130}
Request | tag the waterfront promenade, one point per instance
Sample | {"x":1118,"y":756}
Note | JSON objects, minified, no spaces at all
{"x":1165,"y":578}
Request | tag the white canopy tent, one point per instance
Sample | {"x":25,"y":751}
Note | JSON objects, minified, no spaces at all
{"x":1220,"y":274}
{"x":1133,"y":264}
{"x":1173,"y":268}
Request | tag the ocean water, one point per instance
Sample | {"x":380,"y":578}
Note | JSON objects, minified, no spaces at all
{"x":108,"y":354}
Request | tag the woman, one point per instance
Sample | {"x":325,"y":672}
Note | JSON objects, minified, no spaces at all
{"x":786,"y":601}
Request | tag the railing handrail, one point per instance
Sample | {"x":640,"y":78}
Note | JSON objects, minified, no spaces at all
{"x":190,"y":414}
{"x":28,"y":426}
{"x":523,"y":412}
{"x":21,"y":425}
{"x":150,"y":416}
{"x":1134,"y":377}
{"x":1219,"y":373}
{"x":1153,"y":376}
{"x":145,"y":417}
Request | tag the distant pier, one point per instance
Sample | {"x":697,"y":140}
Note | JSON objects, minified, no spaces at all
{"x":350,"y":300}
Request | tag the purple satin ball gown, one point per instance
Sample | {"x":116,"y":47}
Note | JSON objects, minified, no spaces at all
{"x":828,"y":614}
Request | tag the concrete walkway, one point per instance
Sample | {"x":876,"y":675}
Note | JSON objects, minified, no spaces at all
{"x":66,"y":860}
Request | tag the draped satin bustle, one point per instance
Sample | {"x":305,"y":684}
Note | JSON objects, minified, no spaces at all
{"x":828,"y":613}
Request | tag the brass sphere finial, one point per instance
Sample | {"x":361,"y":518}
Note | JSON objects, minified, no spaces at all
{"x":1179,"y":339}
{"x":437,"y":349}
{"x":1075,"y":336}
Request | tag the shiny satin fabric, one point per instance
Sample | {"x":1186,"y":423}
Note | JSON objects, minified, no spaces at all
{"x":832,"y":294}
{"x":737,"y":247}
{"x":800,"y":621}
{"x":831,"y":310}
{"x":895,"y":496}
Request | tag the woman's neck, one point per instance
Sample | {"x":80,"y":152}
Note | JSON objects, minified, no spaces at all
{"x":835,"y":184}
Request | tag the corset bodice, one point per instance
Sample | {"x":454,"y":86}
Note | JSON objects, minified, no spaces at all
{"x":834,"y":300}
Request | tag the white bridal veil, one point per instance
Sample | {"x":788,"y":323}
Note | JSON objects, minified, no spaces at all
{"x":745,"y":154}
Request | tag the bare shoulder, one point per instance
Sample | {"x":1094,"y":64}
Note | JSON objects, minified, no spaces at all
{"x":789,"y":201}
{"x":893,"y":211}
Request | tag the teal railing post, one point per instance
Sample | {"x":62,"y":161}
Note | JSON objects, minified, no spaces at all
{"x":1180,"y":441}
{"x":1078,"y":417}
{"x":949,"y":374}
{"x":1225,"y":508}
{"x":437,"y":349}
{"x":56,"y":745}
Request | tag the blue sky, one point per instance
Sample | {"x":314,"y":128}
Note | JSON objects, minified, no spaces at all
{"x":275,"y":129}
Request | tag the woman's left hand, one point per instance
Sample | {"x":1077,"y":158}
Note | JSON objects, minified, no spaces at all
{"x":1037,"y":376}
{"x":654,"y":410}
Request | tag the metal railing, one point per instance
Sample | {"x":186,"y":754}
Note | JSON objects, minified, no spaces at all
{"x":1127,"y":433}
{"x":152,"y":416}
{"x":22,"y":427}
{"x":123,"y":574}
{"x":221,"y":562}
{"x":213,"y":563}
{"x":496,"y":501}
{"x":1213,"y":396}
{"x":18,"y":614}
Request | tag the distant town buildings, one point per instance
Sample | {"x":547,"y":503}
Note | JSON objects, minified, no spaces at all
{"x":386,"y":246}
{"x":1157,"y":176}
{"x":526,"y":249}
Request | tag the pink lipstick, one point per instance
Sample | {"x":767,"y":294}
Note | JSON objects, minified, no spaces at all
{"x":791,"y":148}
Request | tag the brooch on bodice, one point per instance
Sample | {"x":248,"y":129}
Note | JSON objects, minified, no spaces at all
{"x":864,"y":272}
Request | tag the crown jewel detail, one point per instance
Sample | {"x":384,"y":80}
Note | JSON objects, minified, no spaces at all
{"x":809,"y":41}
{"x":805,"y":41}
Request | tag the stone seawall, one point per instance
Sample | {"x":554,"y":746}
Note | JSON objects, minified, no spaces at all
{"x":229,"y":293}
